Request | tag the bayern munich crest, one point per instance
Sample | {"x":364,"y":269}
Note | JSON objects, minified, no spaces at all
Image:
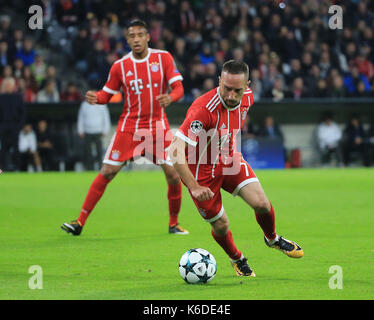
{"x":115,"y":154}
{"x":155,"y":66}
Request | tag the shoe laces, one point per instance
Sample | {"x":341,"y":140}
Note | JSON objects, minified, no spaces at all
{"x":285,"y":245}
{"x":242,"y":264}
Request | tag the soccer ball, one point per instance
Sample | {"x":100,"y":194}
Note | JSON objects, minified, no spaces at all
{"x":197,"y":266}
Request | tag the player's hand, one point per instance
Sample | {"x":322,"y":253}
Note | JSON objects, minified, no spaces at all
{"x":202,"y":193}
{"x":164,"y":100}
{"x":91,"y":97}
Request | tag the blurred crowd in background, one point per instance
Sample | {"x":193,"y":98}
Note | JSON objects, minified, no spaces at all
{"x":290,"y":49}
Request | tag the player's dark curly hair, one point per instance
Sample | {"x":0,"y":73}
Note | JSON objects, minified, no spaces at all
{"x":236,"y":67}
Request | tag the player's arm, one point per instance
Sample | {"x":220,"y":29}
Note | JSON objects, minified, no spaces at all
{"x":111,"y":87}
{"x":177,"y":92}
{"x":177,"y":153}
{"x":174,"y":80}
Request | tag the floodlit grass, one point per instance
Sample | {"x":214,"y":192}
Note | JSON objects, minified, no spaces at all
{"x":125,"y":252}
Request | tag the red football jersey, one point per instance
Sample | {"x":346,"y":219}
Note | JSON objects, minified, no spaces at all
{"x":211,"y":128}
{"x":142,"y":81}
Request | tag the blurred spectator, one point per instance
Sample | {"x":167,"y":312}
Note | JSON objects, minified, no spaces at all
{"x":180,"y":54}
{"x":249,"y":131}
{"x":5,"y":57}
{"x":364,"y":65}
{"x":80,"y":52}
{"x":306,"y":64}
{"x":93,"y":123}
{"x":39,"y":68}
{"x":362,"y":90}
{"x":49,"y":94}
{"x":26,"y":53}
{"x":295,"y":71}
{"x":27,"y":147}
{"x":187,"y":20}
{"x":352,"y":79}
{"x":321,"y":91}
{"x":104,"y":69}
{"x":71,"y":93}
{"x":338,"y":89}
{"x":45,"y":145}
{"x":51,"y":75}
{"x":256,"y":84}
{"x":325,"y":64}
{"x":12,"y":117}
{"x":277,"y":93}
{"x":193,"y":80}
{"x":354,"y":142}
{"x":96,"y":59}
{"x":297,"y":91}
{"x":329,"y":136}
{"x":16,"y":42}
{"x":272,"y":74}
{"x":270,"y":129}
{"x":18,"y":68}
{"x":27,"y":94}
{"x":30,"y":80}
{"x":7,"y":73}
{"x":208,"y":85}
{"x":69,"y":12}
{"x":312,"y":78}
{"x":206,"y":55}
{"x":5,"y":26}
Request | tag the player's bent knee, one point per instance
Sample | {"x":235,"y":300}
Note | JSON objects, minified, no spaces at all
{"x":220,"y":226}
{"x":261,"y":205}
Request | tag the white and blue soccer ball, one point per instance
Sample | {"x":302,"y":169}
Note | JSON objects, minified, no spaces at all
{"x":197,"y":266}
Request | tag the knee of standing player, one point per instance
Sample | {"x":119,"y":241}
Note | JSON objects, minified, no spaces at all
{"x":172,"y":176}
{"x":109,"y":172}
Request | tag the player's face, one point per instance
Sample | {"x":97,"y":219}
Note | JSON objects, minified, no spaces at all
{"x":137,"y":38}
{"x":232,"y":87}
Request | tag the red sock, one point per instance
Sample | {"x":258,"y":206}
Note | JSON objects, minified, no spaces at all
{"x":227,"y":244}
{"x":175,"y":200}
{"x":267,"y":223}
{"x":93,"y":196}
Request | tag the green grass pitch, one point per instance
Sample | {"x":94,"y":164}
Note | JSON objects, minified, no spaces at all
{"x":125,"y":251}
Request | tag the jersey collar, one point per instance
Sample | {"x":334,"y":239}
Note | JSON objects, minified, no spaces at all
{"x":140,"y":60}
{"x":225,"y":105}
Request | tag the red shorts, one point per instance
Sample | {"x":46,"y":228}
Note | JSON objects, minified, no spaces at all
{"x":212,"y":209}
{"x":131,"y":145}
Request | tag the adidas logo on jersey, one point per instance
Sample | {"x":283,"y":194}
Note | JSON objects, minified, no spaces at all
{"x":223,"y":127}
{"x":129,"y":73}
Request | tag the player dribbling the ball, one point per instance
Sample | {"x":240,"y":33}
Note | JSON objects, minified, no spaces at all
{"x":212,"y":163}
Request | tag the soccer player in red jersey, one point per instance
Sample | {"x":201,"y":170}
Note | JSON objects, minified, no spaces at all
{"x":143,"y":129}
{"x":212,"y":163}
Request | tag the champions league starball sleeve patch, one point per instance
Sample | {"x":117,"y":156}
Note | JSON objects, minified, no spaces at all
{"x":196,"y":126}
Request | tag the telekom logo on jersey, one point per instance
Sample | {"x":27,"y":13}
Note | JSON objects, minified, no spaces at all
{"x":136,"y":85}
{"x":215,"y":146}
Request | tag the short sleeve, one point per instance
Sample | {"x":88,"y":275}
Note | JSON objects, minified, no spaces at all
{"x":172,"y":73}
{"x":113,"y":84}
{"x":196,"y":123}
